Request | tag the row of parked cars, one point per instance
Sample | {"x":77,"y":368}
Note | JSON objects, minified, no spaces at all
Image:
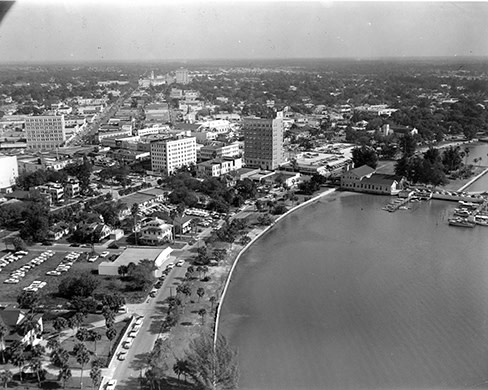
{"x":65,"y":264}
{"x":127,"y":343}
{"x":19,"y":273}
{"x":10,"y":258}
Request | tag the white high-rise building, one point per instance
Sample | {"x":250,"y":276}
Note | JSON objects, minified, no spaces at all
{"x":263,"y":142}
{"x":45,"y":132}
{"x":9,"y":171}
{"x":170,"y":154}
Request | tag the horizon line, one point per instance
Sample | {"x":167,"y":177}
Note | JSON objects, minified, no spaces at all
{"x":261,"y":59}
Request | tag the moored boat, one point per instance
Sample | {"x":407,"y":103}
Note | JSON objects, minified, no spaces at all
{"x":461,"y":222}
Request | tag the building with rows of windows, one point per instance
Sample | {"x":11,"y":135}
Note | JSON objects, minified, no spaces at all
{"x":263,"y":142}
{"x":45,"y":132}
{"x":172,"y":153}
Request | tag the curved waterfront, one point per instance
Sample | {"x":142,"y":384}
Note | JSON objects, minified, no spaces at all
{"x":343,"y":295}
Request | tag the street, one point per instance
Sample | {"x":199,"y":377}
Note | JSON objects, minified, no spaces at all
{"x":128,"y":371}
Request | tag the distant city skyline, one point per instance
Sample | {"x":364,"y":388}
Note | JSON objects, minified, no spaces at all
{"x":191,"y":30}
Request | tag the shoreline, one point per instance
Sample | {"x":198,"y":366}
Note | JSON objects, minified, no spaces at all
{"x":248,"y":245}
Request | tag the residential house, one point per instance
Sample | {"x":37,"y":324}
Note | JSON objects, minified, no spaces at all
{"x":156,"y":232}
{"x":15,"y":318}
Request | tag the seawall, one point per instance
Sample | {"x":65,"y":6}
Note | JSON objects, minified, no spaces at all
{"x":473,"y":180}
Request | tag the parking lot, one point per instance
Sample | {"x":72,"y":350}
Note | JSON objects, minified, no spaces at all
{"x":39,"y":271}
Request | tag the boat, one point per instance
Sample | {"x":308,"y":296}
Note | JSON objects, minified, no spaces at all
{"x":461,"y":213}
{"x":481,"y":220}
{"x":461,"y":222}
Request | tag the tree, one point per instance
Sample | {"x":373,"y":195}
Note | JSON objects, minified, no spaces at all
{"x":202,"y":312}
{"x":94,"y":336}
{"x":60,"y":324}
{"x":53,"y":344}
{"x":96,"y":376}
{"x":82,"y":357}
{"x":82,"y":334}
{"x":18,"y":359}
{"x":28,"y":300}
{"x":19,"y":244}
{"x":200,"y":293}
{"x":122,"y":270}
{"x":180,"y":367}
{"x":82,"y":285}
{"x":64,"y":375}
{"x":38,"y":350}
{"x":408,"y":144}
{"x":3,"y":332}
{"x":451,"y":158}
{"x":60,"y":357}
{"x":5,"y":377}
{"x":76,"y":320}
{"x":111,"y":333}
{"x":36,"y":366}
{"x":212,"y":366}
{"x":109,"y":316}
{"x":113,"y":301}
{"x":212,"y":300}
{"x":364,"y":156}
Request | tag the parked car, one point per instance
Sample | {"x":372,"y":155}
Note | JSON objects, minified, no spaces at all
{"x":111,"y":384}
{"x":92,"y":259}
{"x":127,"y":343}
{"x":180,"y":263}
{"x":104,"y":254}
{"x":122,"y":355}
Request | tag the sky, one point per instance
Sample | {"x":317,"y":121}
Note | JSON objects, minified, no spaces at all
{"x":148,"y":30}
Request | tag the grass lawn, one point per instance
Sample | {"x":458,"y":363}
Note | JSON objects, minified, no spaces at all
{"x":102,"y":350}
{"x":29,"y":381}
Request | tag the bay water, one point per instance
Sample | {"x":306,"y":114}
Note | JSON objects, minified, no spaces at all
{"x":344,"y":295}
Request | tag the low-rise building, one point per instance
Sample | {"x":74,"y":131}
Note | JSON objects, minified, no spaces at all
{"x":159,"y":256}
{"x":364,"y":179}
{"x":219,"y":167}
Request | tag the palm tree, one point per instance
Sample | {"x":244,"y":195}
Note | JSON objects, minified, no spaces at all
{"x":36,"y":366}
{"x":96,"y":376}
{"x":82,"y":357}
{"x":53,"y":344}
{"x":82,"y":334}
{"x":110,"y":333}
{"x":180,"y":367}
{"x":60,"y":357}
{"x":60,"y":324}
{"x":202,"y":312}
{"x":200,"y":293}
{"x":466,"y":154}
{"x":3,"y":333}
{"x":5,"y":377}
{"x":212,"y":300}
{"x":64,"y":375}
{"x":94,"y":336}
{"x":18,"y":359}
{"x":76,"y":321}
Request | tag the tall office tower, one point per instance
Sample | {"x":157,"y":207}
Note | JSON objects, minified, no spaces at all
{"x":45,"y":132}
{"x":263,"y":142}
{"x":182,"y":76}
{"x":170,"y":154}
